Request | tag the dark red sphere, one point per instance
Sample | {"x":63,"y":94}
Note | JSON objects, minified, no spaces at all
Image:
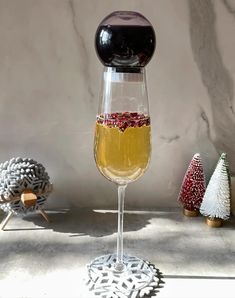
{"x":125,"y":39}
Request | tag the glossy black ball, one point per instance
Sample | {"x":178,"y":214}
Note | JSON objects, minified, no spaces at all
{"x":127,"y":46}
{"x":125,"y":39}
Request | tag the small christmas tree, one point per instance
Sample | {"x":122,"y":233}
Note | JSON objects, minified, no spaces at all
{"x":216,"y":201}
{"x":193,"y":187}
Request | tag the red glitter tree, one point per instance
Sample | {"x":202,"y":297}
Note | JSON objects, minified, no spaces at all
{"x":193,"y":187}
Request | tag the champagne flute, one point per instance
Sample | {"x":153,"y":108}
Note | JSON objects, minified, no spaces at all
{"x":122,"y":143}
{"x":125,"y":42}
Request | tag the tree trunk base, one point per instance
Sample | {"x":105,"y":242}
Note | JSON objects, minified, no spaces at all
{"x":190,"y":213}
{"x":214,"y":222}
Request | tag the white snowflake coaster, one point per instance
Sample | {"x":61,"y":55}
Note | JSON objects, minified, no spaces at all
{"x":138,"y":279}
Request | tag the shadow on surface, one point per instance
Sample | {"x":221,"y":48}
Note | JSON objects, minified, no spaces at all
{"x":160,"y":285}
{"x":90,"y":222}
{"x":23,"y":229}
{"x":191,"y":245}
{"x":98,"y":223}
{"x":198,"y":277}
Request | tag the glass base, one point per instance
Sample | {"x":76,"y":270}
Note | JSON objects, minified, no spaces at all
{"x":137,"y":279}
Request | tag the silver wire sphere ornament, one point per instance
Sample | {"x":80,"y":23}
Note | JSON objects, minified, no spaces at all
{"x":24,"y":186}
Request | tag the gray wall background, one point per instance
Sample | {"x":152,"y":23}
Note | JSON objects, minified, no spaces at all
{"x":50,"y":80}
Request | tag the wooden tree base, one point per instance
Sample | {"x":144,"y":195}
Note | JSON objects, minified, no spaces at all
{"x":190,"y":213}
{"x":214,"y":222}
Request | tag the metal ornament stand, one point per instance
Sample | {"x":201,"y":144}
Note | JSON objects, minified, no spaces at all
{"x":107,"y":282}
{"x":10,"y":214}
{"x":28,"y":199}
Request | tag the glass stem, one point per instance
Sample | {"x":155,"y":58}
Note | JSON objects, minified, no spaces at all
{"x":121,"y":196}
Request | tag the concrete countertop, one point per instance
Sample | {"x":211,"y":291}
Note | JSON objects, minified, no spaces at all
{"x":40,"y":259}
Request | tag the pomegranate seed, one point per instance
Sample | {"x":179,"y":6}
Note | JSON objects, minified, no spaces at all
{"x":123,"y":120}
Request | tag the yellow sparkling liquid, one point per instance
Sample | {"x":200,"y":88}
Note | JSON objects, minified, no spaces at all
{"x":122,"y":156}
